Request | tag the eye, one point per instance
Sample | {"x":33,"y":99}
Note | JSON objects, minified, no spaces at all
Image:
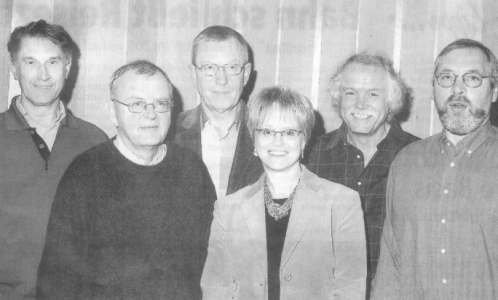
{"x":291,"y":132}
{"x":209,"y":67}
{"x":473,"y":77}
{"x":54,"y":61}
{"x":374,"y":94}
{"x":446,"y":76}
{"x":266,"y":132}
{"x":29,"y":61}
{"x":163,"y":104}
{"x":138,"y":105}
{"x":349,"y":92}
{"x":234,"y":68}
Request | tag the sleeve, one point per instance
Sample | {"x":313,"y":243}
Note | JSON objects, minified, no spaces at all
{"x":63,"y":270}
{"x":348,"y":235}
{"x":215,"y":282}
{"x":205,"y":200}
{"x":386,"y":283}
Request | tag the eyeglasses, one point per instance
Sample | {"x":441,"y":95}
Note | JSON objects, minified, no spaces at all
{"x":470,"y":79}
{"x":139,"y":106}
{"x":288,"y":135}
{"x":211,"y":69}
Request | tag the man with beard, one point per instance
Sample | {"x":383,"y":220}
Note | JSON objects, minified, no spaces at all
{"x":439,"y":239}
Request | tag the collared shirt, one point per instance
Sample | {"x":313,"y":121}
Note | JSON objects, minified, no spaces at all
{"x":130,"y":155}
{"x":46,"y":132}
{"x":440,"y":238}
{"x":218,"y":151}
{"x":335,"y":159}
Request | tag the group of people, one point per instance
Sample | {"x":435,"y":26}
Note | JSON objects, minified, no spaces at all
{"x":234,"y":206}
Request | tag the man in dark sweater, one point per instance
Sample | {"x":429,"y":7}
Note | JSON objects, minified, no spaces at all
{"x":131,"y":217}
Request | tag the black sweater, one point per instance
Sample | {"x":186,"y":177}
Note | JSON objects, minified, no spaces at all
{"x":118,"y":230}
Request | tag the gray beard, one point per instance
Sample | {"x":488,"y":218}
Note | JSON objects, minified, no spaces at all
{"x":462,"y":122}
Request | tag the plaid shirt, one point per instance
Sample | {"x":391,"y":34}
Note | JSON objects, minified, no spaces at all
{"x":333,"y":158}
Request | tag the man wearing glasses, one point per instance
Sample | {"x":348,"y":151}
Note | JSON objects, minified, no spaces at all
{"x":131,"y":217}
{"x":216,"y":128}
{"x":440,"y":239}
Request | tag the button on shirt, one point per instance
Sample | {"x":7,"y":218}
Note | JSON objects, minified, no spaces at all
{"x":440,"y":237}
{"x":217,"y":153}
{"x":46,"y":132}
{"x":335,"y":159}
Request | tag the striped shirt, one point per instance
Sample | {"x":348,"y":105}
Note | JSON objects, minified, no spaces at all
{"x":440,"y":238}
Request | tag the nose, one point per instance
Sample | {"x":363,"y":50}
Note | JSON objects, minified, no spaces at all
{"x":459,"y":87}
{"x":278,"y":138}
{"x":221,"y":76}
{"x":150,"y":111}
{"x":44,"y":73}
{"x":361,"y":101}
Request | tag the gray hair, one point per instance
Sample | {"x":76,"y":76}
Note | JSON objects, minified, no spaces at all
{"x":287,"y":101}
{"x":399,"y":94}
{"x":220,"y":33}
{"x":472,"y":44}
{"x":142,"y":67}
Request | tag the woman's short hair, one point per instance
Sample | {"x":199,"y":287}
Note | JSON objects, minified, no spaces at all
{"x":287,"y":101}
{"x":399,"y":94}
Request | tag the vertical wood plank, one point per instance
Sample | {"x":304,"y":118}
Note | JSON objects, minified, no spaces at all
{"x":6,"y":8}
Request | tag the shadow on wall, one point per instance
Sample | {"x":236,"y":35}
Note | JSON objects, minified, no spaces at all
{"x":494,"y":114}
{"x":72,"y":78}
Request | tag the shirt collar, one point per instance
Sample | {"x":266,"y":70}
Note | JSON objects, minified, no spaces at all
{"x":15,"y":119}
{"x":470,"y":142}
{"x":234,"y":126}
{"x":59,"y":114}
{"x":130,"y":155}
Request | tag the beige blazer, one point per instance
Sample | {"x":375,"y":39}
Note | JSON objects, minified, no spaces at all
{"x":324,"y":254}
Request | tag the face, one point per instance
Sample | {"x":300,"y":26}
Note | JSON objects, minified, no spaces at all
{"x":279,"y":153}
{"x":41,"y":68}
{"x":364,"y":99}
{"x":146,"y":130}
{"x":221,"y":92}
{"x":463,"y":109}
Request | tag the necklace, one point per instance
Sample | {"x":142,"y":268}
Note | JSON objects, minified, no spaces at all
{"x":278,"y":211}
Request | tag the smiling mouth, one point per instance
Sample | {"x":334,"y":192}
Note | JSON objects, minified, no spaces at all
{"x":277,"y":152}
{"x":44,"y":86}
{"x":361,"y":116}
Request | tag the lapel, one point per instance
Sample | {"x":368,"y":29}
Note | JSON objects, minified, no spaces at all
{"x":242,"y":157}
{"x":189,"y":135}
{"x":253,"y":210}
{"x":302,"y":214}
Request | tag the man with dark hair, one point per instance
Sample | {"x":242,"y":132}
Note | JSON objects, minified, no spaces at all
{"x":40,"y":137}
{"x":216,"y":128}
{"x":440,"y":236}
{"x":131,"y":216}
{"x":368,"y":94}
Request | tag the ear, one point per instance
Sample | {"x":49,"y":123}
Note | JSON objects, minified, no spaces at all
{"x":13,"y":69}
{"x":247,"y":72}
{"x":193,"y":75}
{"x":495,"y":93}
{"x":112,"y":113}
{"x":68,"y":66}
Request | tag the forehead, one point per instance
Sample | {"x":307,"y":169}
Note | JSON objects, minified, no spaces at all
{"x":38,"y":47}
{"x":275,"y":117}
{"x":146,"y":86}
{"x":462,"y":60}
{"x":364,"y":76}
{"x":220,"y":52}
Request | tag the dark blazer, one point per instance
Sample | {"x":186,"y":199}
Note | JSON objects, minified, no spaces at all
{"x":246,"y":168}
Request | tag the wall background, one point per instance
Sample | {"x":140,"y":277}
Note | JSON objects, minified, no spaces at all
{"x":297,"y":43}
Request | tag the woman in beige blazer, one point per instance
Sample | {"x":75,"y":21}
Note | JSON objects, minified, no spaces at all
{"x":292,"y":234}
